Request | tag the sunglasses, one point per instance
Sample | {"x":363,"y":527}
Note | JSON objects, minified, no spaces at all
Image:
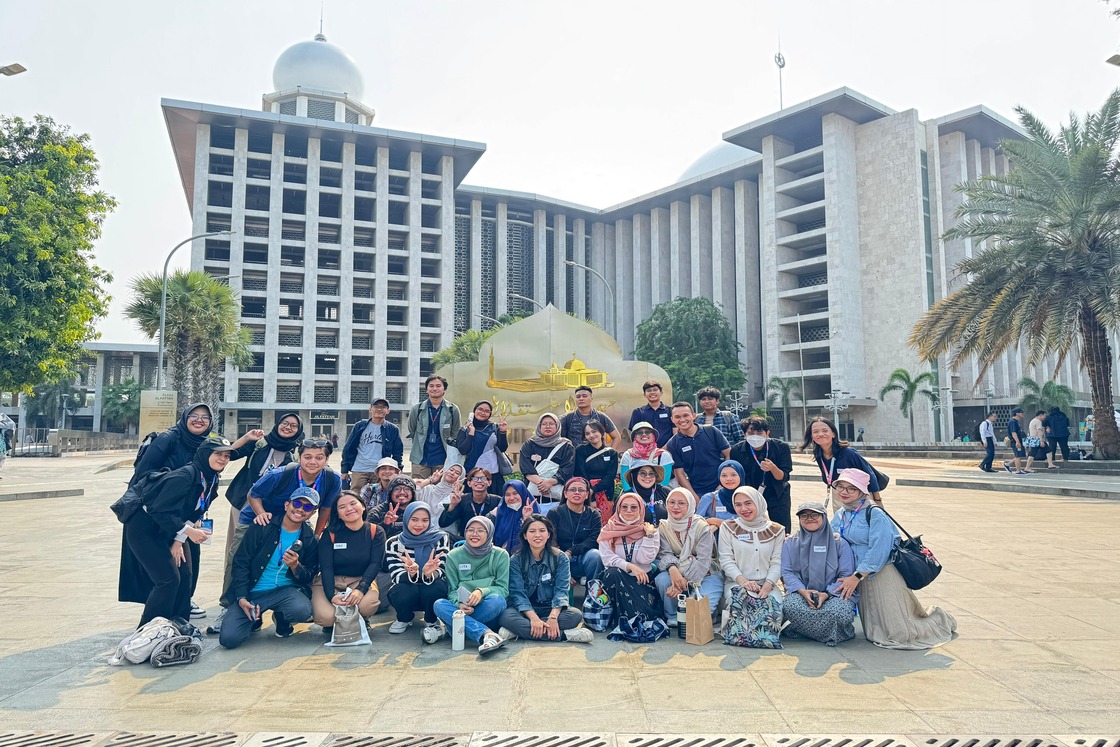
{"x":303,"y":505}
{"x":577,"y":490}
{"x":318,"y":443}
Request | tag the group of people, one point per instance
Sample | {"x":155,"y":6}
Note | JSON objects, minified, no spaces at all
{"x":704,"y":509}
{"x":1039,"y":440}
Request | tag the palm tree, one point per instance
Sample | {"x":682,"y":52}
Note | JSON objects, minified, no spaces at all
{"x":909,"y":387}
{"x":203,"y":329}
{"x":120,"y":403}
{"x":50,"y":402}
{"x":779,"y":393}
{"x":1048,"y":277}
{"x":1050,"y":394}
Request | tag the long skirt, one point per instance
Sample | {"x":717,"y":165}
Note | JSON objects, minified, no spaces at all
{"x":892,"y":616}
{"x":831,"y":624}
{"x":629,"y":597}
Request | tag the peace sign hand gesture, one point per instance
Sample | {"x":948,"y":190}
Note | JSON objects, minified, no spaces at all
{"x":527,"y":509}
{"x":502,"y":423}
{"x":456,"y":495}
{"x":390,"y":515}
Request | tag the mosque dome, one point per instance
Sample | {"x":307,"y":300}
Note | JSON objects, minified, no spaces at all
{"x":723,"y":154}
{"x":318,"y":65}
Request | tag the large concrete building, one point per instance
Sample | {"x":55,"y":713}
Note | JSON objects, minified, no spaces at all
{"x":359,"y":252}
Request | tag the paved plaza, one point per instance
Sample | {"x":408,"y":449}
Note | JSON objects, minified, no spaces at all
{"x":1033,"y":581}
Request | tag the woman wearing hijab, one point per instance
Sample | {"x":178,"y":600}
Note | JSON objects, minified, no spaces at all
{"x":750,"y":554}
{"x":647,"y":480}
{"x":348,"y":563}
{"x":481,"y":441}
{"x":547,"y":460}
{"x":477,"y":584}
{"x":717,"y":507}
{"x":685,"y":555}
{"x":156,"y":570}
{"x":516,"y":506}
{"x":628,"y":546}
{"x":539,"y":580}
{"x":813,"y":562}
{"x":415,"y":562}
{"x":892,"y":617}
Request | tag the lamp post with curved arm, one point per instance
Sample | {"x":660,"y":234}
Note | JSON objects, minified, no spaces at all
{"x":610,"y":290}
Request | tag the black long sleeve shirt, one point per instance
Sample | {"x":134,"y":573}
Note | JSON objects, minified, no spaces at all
{"x":346,"y":552}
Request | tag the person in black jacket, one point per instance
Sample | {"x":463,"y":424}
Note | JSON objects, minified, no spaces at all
{"x":155,"y":568}
{"x":270,"y":573}
{"x":480,"y":502}
{"x":767,"y":463}
{"x":369,"y":442}
{"x":1057,"y":432}
{"x":350,"y":560}
{"x":577,"y":529}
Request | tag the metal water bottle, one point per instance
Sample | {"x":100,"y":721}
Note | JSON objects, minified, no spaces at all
{"x":681,"y":615}
{"x":458,"y":630}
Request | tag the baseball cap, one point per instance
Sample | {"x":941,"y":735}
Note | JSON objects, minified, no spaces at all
{"x":817,"y":508}
{"x":311,"y":495}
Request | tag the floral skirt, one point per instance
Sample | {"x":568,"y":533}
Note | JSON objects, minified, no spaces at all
{"x":831,"y":624}
{"x":629,"y":597}
{"x":752,"y":622}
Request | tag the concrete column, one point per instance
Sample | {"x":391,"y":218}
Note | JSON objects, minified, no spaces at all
{"x":346,"y":279}
{"x":769,"y":231}
{"x":701,"y":245}
{"x":596,"y":302}
{"x":201,"y":184}
{"x":660,"y":267}
{"x":540,"y":254}
{"x":447,"y":246}
{"x":640,"y":279}
{"x":501,"y":261}
{"x":381,"y":261}
{"x":723,"y":251}
{"x":415,"y":279}
{"x":99,"y":389}
{"x":746,"y":276}
{"x":579,"y":240}
{"x":475,"y":266}
{"x":310,"y":273}
{"x":680,"y":250}
{"x":559,"y":254}
{"x":623,"y":283}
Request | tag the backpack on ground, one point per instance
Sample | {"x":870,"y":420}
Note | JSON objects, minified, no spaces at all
{"x":139,"y":645}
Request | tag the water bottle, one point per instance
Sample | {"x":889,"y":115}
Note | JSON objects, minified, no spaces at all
{"x":458,"y":630}
{"x":682,"y":615}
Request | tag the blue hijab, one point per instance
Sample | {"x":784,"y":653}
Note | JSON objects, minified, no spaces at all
{"x":420,"y":545}
{"x":507,"y":524}
{"x":726,"y":496}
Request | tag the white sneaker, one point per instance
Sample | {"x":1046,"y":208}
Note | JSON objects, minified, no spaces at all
{"x":434,"y":632}
{"x":491,"y":642}
{"x":506,"y":634}
{"x":579,"y":635}
{"x":399,"y":627}
{"x":197,"y":611}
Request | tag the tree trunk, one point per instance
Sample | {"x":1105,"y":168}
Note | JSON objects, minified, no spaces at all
{"x":1096,"y":356}
{"x":913,"y":438}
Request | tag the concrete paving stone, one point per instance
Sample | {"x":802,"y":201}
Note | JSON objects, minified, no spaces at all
{"x":1046,"y":689}
{"x":975,"y":627}
{"x":1015,"y":654}
{"x":451,"y":717}
{"x":1092,"y":722}
{"x":1058,"y":627}
{"x":730,"y":719}
{"x":854,"y":720}
{"x":1093,"y":654}
{"x":663,"y":690}
{"x":294,"y":712}
{"x":889,"y":663}
{"x":803,"y":693}
{"x":956,"y":689}
{"x":1018,"y":723}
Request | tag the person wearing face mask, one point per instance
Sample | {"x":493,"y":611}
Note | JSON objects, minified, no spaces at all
{"x":750,"y":554}
{"x":155,"y":569}
{"x":767,"y":464}
{"x":813,"y":562}
{"x":891,"y":615}
{"x":516,"y":506}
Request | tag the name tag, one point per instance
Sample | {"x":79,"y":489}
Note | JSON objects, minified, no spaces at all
{"x":464,"y":566}
{"x":663,"y":415}
{"x":546,"y":577}
{"x":686,"y":448}
{"x":820,"y":548}
{"x":606,"y":459}
{"x":340,"y":545}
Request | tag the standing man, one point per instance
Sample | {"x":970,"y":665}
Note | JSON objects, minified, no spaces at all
{"x":1057,"y":432}
{"x":723,"y":420}
{"x":571,"y":425}
{"x":370,"y":441}
{"x":697,"y":451}
{"x":988,"y":437}
{"x":656,"y":413}
{"x":432,"y":425}
{"x":1015,"y":433}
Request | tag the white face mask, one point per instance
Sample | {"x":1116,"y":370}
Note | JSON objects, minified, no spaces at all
{"x":757,"y":442}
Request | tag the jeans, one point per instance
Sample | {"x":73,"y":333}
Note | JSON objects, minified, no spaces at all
{"x":522,"y":628}
{"x":989,"y":454}
{"x":711,"y":587}
{"x":287,"y":602}
{"x":590,"y":564}
{"x":477,"y":623}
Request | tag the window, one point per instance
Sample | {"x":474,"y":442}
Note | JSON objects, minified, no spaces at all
{"x":363,"y":237}
{"x":258,"y":169}
{"x":361,"y":366}
{"x":256,"y":227}
{"x":363,"y":209}
{"x":255,"y":254}
{"x":351,"y":116}
{"x":291,"y":309}
{"x":363,"y":262}
{"x":330,"y":205}
{"x":395,"y":315}
{"x":429,"y":216}
{"x":295,"y":201}
{"x":429,"y":268}
{"x":330,"y":259}
{"x":260,"y":142}
{"x":365,"y":153}
{"x":363,"y":181}
{"x":398,"y":266}
{"x":288,"y":108}
{"x":330,"y":150}
{"x":220,"y":194}
{"x":363,"y":313}
{"x":326,"y":364}
{"x":295,"y":173}
{"x":257,"y":366}
{"x":222,"y":137}
{"x":326,"y":311}
{"x":221,"y":165}
{"x":330,"y":233}
{"x":295,"y":145}
{"x":217,"y":251}
{"x":252,"y":308}
{"x":256,"y":197}
{"x":320,"y":109}
{"x":398,"y":185}
{"x":330,"y":177}
{"x":292,"y":256}
{"x":290,"y":338}
{"x":394,"y":367}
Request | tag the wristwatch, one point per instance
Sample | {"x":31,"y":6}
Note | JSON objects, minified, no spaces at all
{"x":860,"y":575}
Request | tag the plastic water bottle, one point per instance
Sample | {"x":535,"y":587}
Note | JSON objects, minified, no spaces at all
{"x":458,"y":630}
{"x":682,"y":615}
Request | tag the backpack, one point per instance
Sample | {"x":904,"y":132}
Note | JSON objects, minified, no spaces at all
{"x":139,"y":645}
{"x":144,"y":444}
{"x":133,"y":498}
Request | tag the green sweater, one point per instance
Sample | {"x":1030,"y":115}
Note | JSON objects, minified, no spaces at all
{"x":490,"y":574}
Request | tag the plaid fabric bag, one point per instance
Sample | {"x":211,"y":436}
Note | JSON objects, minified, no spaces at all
{"x":597,"y":608}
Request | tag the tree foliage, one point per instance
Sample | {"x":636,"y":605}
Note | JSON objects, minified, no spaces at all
{"x":693,"y":341}
{"x":120,"y":404}
{"x":51,"y":212}
{"x":1049,"y":278}
{"x":1043,"y":397}
{"x":48,"y":403}
{"x":780,"y":393}
{"x":909,"y":387}
{"x":202,"y":328}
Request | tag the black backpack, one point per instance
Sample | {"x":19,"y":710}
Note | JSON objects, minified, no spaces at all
{"x":133,"y":498}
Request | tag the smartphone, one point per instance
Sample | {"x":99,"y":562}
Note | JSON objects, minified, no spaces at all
{"x":208,"y":525}
{"x":255,"y":613}
{"x":296,"y":546}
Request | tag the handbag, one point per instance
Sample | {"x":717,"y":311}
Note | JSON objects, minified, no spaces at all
{"x":505,"y":466}
{"x":753,"y":622}
{"x":1032,"y":442}
{"x":914,"y":561}
{"x":349,"y":628}
{"x":639,"y":629}
{"x":547,"y":469}
{"x":133,"y":499}
{"x":597,"y":607}
{"x":698,"y":619}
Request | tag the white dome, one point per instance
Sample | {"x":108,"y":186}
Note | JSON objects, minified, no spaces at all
{"x":723,"y":154}
{"x":319,"y":65}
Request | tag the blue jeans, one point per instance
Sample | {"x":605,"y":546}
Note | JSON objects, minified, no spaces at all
{"x":711,"y":587}
{"x":288,"y":602}
{"x":476,"y":623}
{"x":590,"y":564}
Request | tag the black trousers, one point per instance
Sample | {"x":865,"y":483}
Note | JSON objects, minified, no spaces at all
{"x":171,"y":592}
{"x":989,"y":454}
{"x":408,"y":598}
{"x":1060,"y":441}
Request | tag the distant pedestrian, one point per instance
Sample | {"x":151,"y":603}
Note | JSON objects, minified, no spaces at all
{"x":1016,"y":439}
{"x":988,"y":438}
{"x":1036,"y":441}
{"x":1057,"y":430}
{"x":7,"y":437}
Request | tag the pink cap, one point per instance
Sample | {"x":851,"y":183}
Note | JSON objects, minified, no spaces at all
{"x":856,"y":477}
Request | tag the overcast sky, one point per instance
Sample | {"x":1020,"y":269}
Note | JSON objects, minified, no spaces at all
{"x":593,"y":101}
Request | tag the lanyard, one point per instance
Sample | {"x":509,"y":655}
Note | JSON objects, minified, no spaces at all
{"x":845,"y":522}
{"x":478,"y":509}
{"x":828,"y":476}
{"x":628,"y":550}
{"x":302,"y":484}
{"x":759,"y":463}
{"x":201,"y":506}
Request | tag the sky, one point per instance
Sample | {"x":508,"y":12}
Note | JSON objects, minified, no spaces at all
{"x":591,"y":101}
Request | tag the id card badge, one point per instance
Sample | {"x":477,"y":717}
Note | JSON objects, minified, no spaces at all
{"x":208,"y":525}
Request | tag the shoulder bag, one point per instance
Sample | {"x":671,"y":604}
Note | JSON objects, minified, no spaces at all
{"x":913,"y":560}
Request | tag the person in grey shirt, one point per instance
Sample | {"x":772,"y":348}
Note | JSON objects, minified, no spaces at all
{"x":572,"y":424}
{"x":369,"y":442}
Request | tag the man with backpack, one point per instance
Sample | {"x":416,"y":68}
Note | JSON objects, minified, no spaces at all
{"x":369,"y":443}
{"x":433,"y":426}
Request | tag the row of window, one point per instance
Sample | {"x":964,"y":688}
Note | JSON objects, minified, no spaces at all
{"x":294,"y":202}
{"x":329,"y":311}
{"x":327,"y":365}
{"x":328,"y":338}
{"x":329,"y":177}
{"x":323,"y":392}
{"x":326,"y":259}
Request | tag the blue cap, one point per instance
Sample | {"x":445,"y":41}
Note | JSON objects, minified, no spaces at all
{"x":310,"y":494}
{"x":1016,"y":411}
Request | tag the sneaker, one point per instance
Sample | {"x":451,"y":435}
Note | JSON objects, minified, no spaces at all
{"x":1024,"y":473}
{"x":216,"y":626}
{"x":399,"y":627}
{"x":283,"y":627}
{"x":490,"y":642}
{"x":197,"y":611}
{"x":433,"y":632}
{"x":671,"y":622}
{"x":1007,"y":466}
{"x":579,"y":635}
{"x":506,"y":634}
{"x":328,"y":630}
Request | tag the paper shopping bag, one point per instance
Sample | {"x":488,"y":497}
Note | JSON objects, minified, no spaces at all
{"x":698,"y":621}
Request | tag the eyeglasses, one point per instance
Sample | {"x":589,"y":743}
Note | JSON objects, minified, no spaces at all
{"x":810,"y":516}
{"x":478,"y":478}
{"x":317,"y":443}
{"x":847,"y":489}
{"x":578,"y":491}
{"x":303,"y":505}
{"x":646,"y":472}
{"x":288,"y":425}
{"x":198,"y":418}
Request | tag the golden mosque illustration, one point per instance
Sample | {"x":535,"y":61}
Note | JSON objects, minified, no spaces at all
{"x":573,"y":374}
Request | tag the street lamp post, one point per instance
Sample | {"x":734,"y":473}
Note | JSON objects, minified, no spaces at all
{"x":490,"y":319}
{"x":14,"y":69}
{"x":163,"y":298}
{"x":837,"y":403}
{"x":610,"y":290}
{"x":533,"y":301}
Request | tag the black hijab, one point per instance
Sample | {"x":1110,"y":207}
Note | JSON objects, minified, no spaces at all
{"x":190,"y":441}
{"x":278,"y":442}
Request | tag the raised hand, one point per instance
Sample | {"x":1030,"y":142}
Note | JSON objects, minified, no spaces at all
{"x":390,"y":515}
{"x":502,"y":423}
{"x":527,"y":509}
{"x":456,"y":495}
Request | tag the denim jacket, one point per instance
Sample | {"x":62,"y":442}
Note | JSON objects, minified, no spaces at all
{"x":539,"y":582}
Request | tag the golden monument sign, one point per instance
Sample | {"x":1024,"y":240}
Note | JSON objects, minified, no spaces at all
{"x":520,"y":372}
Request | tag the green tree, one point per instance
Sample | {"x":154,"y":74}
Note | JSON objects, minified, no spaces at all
{"x":779,"y":393}
{"x":49,"y":403}
{"x":1049,"y":394}
{"x":1050,"y":275}
{"x":692,"y":340}
{"x":51,"y":212}
{"x":909,"y":387}
{"x":120,"y":404}
{"x":203,"y":330}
